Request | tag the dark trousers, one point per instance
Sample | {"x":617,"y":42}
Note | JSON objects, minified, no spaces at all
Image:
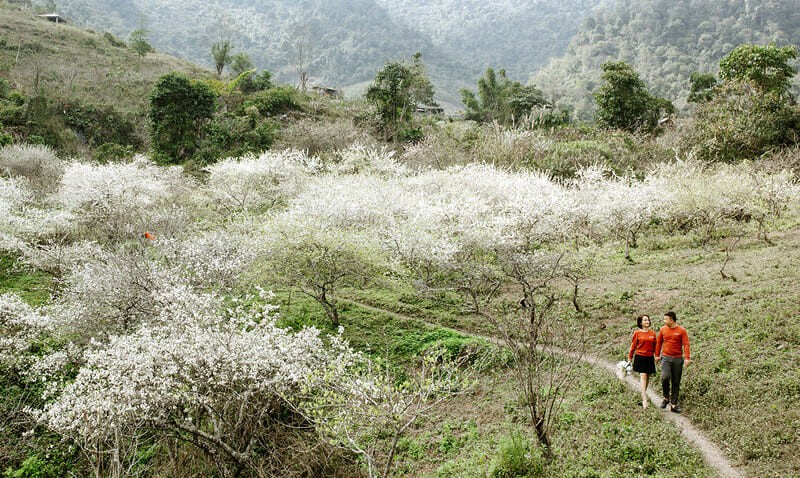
{"x":671,"y":371}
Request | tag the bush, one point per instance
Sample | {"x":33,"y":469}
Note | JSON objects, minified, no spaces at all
{"x":517,"y":457}
{"x":109,"y":152}
{"x":33,"y":467}
{"x":98,"y":124}
{"x":252,"y":82}
{"x":234,"y":136}
{"x":320,"y":137}
{"x":114,"y":41}
{"x":275,"y":100}
{"x":38,"y":164}
{"x":742,"y":122}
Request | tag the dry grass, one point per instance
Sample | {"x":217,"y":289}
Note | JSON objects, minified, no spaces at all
{"x":70,"y":63}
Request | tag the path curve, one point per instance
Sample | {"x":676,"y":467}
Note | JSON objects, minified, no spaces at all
{"x":712,"y":454}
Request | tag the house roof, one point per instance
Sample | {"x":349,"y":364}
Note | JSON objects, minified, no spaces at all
{"x":53,"y":17}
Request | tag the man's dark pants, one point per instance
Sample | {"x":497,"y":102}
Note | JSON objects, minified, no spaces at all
{"x":671,"y":371}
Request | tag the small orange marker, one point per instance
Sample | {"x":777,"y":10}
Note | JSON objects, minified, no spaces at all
{"x":149,"y":235}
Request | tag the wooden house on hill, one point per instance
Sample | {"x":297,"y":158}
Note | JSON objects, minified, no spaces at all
{"x":53,"y":17}
{"x":327,"y":92}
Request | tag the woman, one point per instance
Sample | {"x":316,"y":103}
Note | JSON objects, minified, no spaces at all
{"x":643,"y":350}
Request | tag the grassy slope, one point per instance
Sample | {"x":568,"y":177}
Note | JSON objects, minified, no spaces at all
{"x":75,"y":64}
{"x":741,"y":389}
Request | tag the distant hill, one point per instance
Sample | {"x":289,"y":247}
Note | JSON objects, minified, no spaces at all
{"x":665,"y":41}
{"x":351,"y":39}
{"x":518,"y":36}
{"x":70,"y":63}
{"x":348,"y":41}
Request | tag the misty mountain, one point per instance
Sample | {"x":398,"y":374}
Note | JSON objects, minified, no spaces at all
{"x":350,"y":40}
{"x":518,"y":36}
{"x":665,"y":41}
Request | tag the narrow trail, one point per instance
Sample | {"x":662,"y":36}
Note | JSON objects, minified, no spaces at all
{"x":712,"y":454}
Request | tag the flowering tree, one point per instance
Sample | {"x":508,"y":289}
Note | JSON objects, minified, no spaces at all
{"x":319,"y":262}
{"x":546,"y":347}
{"x":371,"y":415}
{"x":247,"y":183}
{"x":115,"y":201}
{"x":226,"y":384}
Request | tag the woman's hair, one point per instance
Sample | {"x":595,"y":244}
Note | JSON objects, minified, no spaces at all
{"x":639,"y":320}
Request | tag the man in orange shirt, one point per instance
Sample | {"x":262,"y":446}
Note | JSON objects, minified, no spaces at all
{"x":672,"y":349}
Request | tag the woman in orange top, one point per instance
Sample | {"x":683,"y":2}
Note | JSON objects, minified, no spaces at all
{"x":642,"y":352}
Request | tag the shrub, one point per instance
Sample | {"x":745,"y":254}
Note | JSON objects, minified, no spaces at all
{"x":317,"y":137}
{"x":33,"y":467}
{"x":114,"y":41}
{"x":517,"y":457}
{"x":110,"y":152}
{"x":38,"y":164}
{"x":275,"y":100}
{"x":742,"y":122}
{"x":101,"y":124}
{"x":250,"y":81}
{"x":233,"y":136}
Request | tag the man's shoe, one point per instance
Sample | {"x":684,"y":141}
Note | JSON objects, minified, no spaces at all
{"x":664,"y":403}
{"x":675,"y":409}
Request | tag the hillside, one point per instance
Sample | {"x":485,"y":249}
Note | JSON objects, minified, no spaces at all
{"x":347,"y":41}
{"x":518,"y":36}
{"x":68,"y":62}
{"x":665,"y":41}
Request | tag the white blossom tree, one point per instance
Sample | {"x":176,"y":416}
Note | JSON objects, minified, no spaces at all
{"x":227,"y":384}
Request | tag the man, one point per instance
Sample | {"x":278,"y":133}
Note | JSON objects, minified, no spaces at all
{"x":672,"y":349}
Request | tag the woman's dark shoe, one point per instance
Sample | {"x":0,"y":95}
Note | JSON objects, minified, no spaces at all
{"x":675,"y":409}
{"x":664,"y":403}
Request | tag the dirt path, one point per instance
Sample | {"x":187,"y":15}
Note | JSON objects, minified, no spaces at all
{"x":711,"y":453}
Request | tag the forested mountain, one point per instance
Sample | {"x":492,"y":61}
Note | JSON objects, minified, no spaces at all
{"x":345,"y":43}
{"x":517,"y":36}
{"x":348,"y":41}
{"x":665,"y":41}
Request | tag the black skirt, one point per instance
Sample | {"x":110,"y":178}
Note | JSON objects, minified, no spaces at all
{"x":644,"y":364}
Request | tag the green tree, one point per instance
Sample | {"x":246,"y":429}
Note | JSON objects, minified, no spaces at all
{"x":396,"y":92}
{"x":765,"y":67}
{"x":179,"y":108}
{"x":138,"y":42}
{"x":752,"y":111}
{"x":501,"y":99}
{"x":624,"y":102}
{"x":240,"y":63}
{"x":221,"y":52}
{"x":702,"y":85}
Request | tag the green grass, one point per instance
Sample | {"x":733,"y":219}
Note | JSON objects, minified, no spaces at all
{"x":741,"y":389}
{"x":33,"y":287}
{"x":601,"y":432}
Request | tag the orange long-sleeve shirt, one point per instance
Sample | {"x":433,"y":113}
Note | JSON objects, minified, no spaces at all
{"x":674,"y":340}
{"x":642,"y":343}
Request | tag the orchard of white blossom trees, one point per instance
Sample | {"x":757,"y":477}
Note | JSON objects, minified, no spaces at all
{"x":148,"y":340}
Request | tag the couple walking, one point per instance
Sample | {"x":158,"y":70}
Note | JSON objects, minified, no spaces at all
{"x":670,"y":347}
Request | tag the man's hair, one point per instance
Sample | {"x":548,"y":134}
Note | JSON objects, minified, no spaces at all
{"x":671,"y":315}
{"x":640,"y":318}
